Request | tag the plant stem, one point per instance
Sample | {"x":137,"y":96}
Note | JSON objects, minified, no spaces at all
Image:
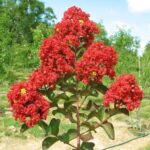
{"x":71,"y":145}
{"x":95,"y":127}
{"x":83,"y":102}
{"x":78,"y":126}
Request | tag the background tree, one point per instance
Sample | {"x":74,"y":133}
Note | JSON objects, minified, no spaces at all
{"x":145,"y":73}
{"x":24,"y":16}
{"x":126,"y":45}
{"x":102,"y":36}
{"x":19,"y":21}
{"x":124,"y":40}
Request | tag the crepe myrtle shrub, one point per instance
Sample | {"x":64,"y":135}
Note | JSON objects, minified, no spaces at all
{"x":69,"y":81}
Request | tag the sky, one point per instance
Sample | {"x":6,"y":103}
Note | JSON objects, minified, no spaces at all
{"x":129,"y":14}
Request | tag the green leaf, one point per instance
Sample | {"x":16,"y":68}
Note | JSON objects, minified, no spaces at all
{"x":85,"y":93}
{"x":58,"y":110}
{"x":100,"y":87}
{"x":95,"y":93}
{"x":69,"y":102}
{"x":50,"y":96}
{"x":72,"y":133}
{"x":24,"y":127}
{"x":54,"y":126}
{"x":119,"y":111}
{"x":102,"y":113}
{"x":43,"y":125}
{"x":84,"y":115}
{"x":92,"y":114}
{"x":61,"y":96}
{"x":72,"y":109}
{"x":109,"y":129}
{"x":87,"y":146}
{"x":44,"y":91}
{"x":90,"y":126}
{"x":87,"y":125}
{"x":66,"y":137}
{"x":103,"y":87}
{"x":48,"y":142}
{"x":89,"y":105}
{"x":70,"y":117}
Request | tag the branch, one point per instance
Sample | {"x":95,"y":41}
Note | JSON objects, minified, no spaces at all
{"x":100,"y":87}
{"x":78,"y":125}
{"x":95,"y":127}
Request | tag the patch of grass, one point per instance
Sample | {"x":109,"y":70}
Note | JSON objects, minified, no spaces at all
{"x":10,"y":127}
{"x":3,"y":101}
{"x":36,"y":131}
{"x":4,"y":87}
{"x":147,"y":148}
{"x":145,"y":107}
{"x":7,"y":122}
{"x":144,"y":110}
{"x":20,"y":136}
{"x":145,"y":102}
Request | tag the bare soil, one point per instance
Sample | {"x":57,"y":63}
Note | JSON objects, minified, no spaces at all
{"x":101,"y":141}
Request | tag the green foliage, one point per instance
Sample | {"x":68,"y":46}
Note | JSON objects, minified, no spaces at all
{"x":68,"y":136}
{"x":92,"y":115}
{"x":23,"y":128}
{"x":25,"y":16}
{"x":123,"y":40}
{"x":147,"y":148}
{"x":23,"y":25}
{"x":145,"y":107}
{"x":102,"y":36}
{"x":87,"y":146}
{"x":109,"y":129}
{"x":127,"y":63}
{"x":54,"y":126}
{"x":126,"y":45}
{"x":48,"y":142}
{"x":145,"y":71}
{"x":40,"y":32}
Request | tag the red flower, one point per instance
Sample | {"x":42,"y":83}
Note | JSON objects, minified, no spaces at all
{"x":124,"y":92}
{"x":77,"y":24}
{"x":18,"y":91}
{"x":43,"y":77}
{"x":57,"y":56}
{"x":76,"y":13}
{"x":28,"y":105}
{"x":97,"y":61}
{"x":72,"y":41}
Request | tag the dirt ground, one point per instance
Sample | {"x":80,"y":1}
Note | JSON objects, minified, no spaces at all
{"x":101,"y":141}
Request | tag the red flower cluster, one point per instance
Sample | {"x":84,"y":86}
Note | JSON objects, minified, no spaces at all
{"x":76,"y":27}
{"x":56,"y":56}
{"x":43,"y":77}
{"x":124,"y":92}
{"x":58,"y":59}
{"x":97,"y":61}
{"x":28,"y":105}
